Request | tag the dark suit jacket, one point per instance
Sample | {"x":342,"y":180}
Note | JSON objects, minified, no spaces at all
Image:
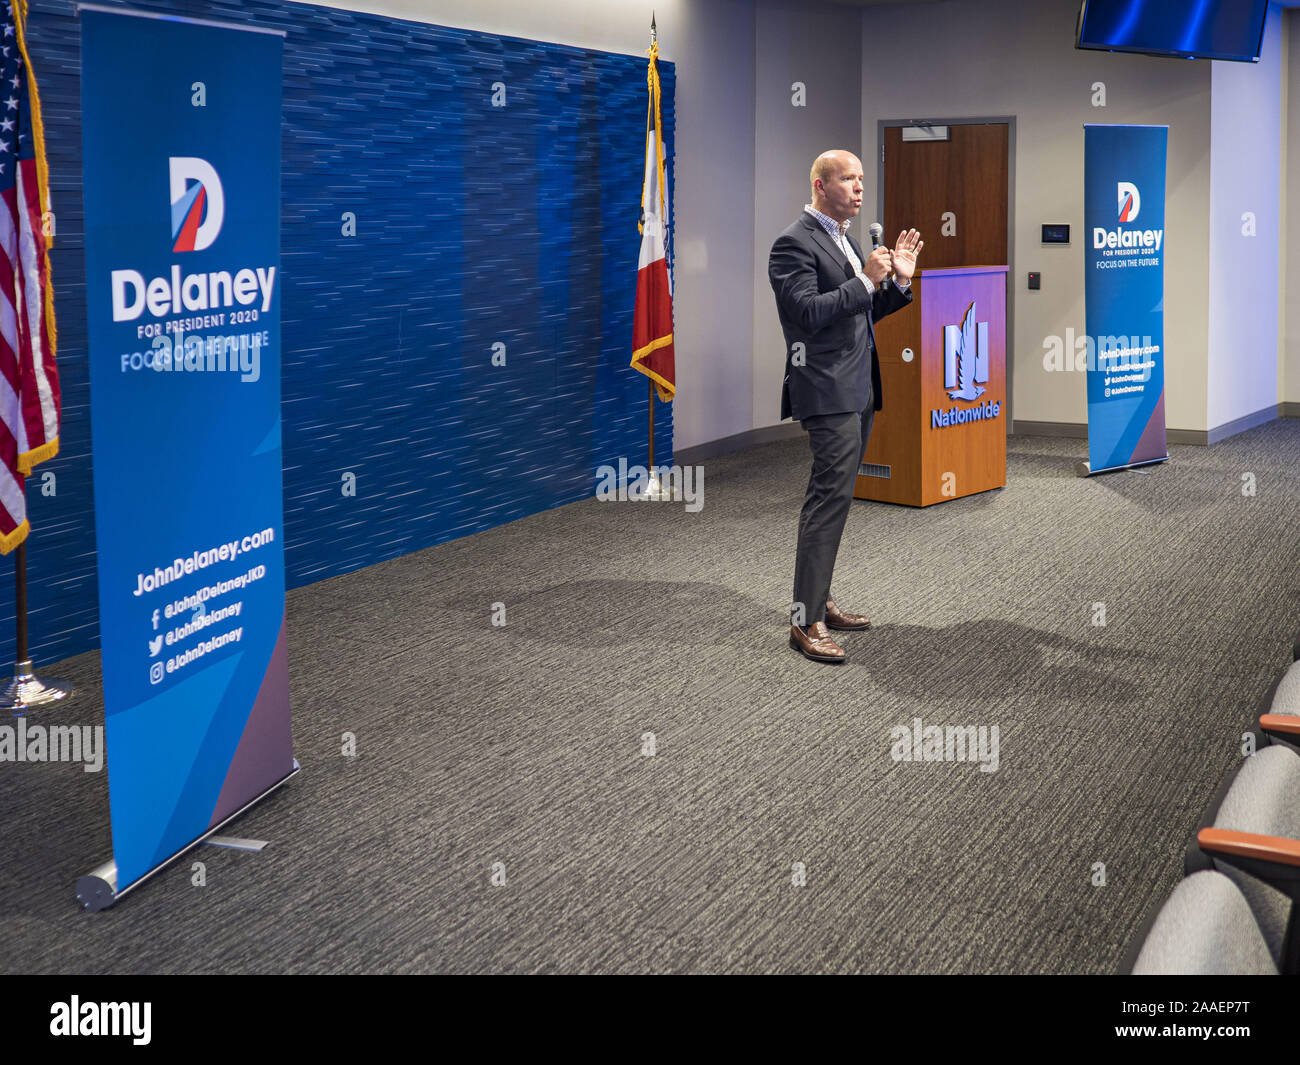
{"x":825,"y":307}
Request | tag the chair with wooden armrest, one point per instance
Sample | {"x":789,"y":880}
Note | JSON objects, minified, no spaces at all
{"x":1282,"y":702}
{"x":1281,"y":728}
{"x":1253,"y":837}
{"x":1271,"y":860}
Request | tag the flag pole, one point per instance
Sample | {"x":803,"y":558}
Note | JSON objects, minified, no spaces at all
{"x":20,"y":601}
{"x":650,"y":385}
{"x":653,"y":488}
{"x":26,"y":689}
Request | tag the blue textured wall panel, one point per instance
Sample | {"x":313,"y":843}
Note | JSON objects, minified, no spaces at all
{"x":475,"y":225}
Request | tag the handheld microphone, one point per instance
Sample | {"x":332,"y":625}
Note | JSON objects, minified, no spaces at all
{"x":877,"y":231}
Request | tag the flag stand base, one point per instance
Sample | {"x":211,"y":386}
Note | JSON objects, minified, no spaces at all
{"x":655,"y":489}
{"x":28,"y":690}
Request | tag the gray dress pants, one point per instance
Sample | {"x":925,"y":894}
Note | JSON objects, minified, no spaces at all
{"x":837,"y":442}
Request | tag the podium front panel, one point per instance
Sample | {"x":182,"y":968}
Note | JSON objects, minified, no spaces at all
{"x":942,"y":433}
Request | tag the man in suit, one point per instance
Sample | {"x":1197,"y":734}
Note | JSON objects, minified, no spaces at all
{"x":828,"y":294}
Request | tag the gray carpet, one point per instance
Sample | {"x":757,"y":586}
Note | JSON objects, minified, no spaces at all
{"x":523,"y":745}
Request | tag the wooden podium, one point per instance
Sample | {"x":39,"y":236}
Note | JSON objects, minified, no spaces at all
{"x":942,"y":431}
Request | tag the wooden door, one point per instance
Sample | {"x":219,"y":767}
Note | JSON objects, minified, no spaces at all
{"x":965,"y":177}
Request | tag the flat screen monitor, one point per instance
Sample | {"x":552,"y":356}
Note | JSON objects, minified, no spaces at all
{"x":1192,"y":29}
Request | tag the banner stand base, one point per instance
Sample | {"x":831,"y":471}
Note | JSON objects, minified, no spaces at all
{"x":28,"y":690}
{"x":234,"y":843}
{"x":97,"y":890}
{"x":1083,"y":469}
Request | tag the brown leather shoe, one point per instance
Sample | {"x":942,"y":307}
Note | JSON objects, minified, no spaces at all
{"x":837,"y":619}
{"x":816,"y":643}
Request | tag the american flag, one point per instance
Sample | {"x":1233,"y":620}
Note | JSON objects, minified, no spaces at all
{"x":29,"y":380}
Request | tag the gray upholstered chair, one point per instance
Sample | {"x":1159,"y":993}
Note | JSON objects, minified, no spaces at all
{"x":1205,"y":928}
{"x":1280,"y":717}
{"x":1253,"y":838}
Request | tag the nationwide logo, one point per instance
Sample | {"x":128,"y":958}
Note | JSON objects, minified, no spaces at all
{"x":966,"y":357}
{"x":198,"y":209}
{"x":965,"y":371}
{"x":1130,"y":201}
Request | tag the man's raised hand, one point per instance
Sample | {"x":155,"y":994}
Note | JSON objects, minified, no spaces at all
{"x":903,"y":257}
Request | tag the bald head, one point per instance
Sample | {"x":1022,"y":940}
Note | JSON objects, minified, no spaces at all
{"x":828,"y":164}
{"x":836,"y":179}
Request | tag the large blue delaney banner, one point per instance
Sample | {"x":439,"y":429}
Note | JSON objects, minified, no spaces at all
{"x":1124,"y":215}
{"x":181,"y":139}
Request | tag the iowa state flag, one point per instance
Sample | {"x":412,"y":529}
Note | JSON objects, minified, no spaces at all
{"x":652,"y":324}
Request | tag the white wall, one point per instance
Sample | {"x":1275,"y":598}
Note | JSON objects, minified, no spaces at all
{"x":1006,"y":57}
{"x":714,"y":183}
{"x":1245,"y":177}
{"x":1289,"y":342}
{"x":818,"y":46}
